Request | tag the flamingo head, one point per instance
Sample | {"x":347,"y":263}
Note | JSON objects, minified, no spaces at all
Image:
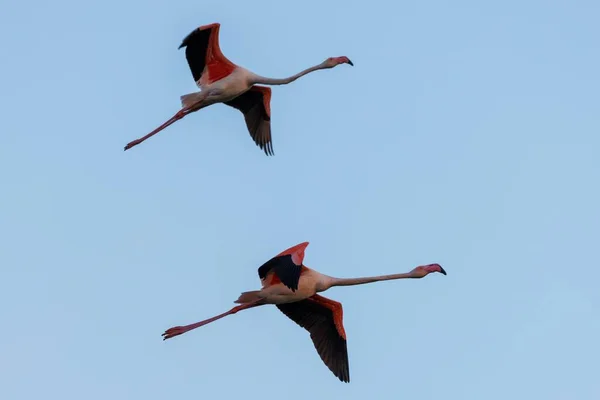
{"x":334,"y":61}
{"x":425,"y":270}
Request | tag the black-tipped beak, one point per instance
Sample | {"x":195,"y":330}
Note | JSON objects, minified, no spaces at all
{"x":351,"y":63}
{"x":442,"y":270}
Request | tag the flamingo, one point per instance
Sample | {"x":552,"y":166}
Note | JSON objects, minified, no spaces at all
{"x":222,"y":81}
{"x":292,"y":288}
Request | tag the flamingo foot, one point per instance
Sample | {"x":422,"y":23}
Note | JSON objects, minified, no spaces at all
{"x":175,"y":331}
{"x":131,"y":144}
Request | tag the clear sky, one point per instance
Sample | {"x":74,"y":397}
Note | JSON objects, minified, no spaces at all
{"x":466,"y":134}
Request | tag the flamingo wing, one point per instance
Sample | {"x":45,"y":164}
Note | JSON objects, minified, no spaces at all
{"x":255,"y":105}
{"x":285,"y":267}
{"x":322,"y":318}
{"x":204,"y":56}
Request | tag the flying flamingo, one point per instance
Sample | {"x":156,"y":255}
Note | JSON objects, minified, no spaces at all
{"x":292,"y":288}
{"x":221,"y":81}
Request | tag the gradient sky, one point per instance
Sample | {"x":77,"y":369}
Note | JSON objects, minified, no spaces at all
{"x":466,"y":134}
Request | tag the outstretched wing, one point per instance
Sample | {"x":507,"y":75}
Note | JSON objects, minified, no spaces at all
{"x":206,"y":61}
{"x":255,"y":104}
{"x":322,"y":318}
{"x":285,"y":267}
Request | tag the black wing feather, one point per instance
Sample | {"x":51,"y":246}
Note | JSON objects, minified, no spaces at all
{"x":258,"y":121}
{"x":318,"y":321}
{"x":284,"y":268}
{"x":196,"y":44}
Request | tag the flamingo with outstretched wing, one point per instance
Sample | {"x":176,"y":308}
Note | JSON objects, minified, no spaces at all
{"x":221,"y":81}
{"x":292,"y":288}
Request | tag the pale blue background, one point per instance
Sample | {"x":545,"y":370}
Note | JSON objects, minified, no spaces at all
{"x":466,"y":134}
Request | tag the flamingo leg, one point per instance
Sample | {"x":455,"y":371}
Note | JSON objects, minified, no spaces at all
{"x":180,"y":114}
{"x":178,"y":330}
{"x":195,"y":105}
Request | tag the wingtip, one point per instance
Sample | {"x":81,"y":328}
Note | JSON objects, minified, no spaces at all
{"x":303,"y":245}
{"x":200,"y":28}
{"x":344,"y":377}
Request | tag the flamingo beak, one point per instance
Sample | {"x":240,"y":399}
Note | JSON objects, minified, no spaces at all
{"x":442,"y":270}
{"x":350,"y":62}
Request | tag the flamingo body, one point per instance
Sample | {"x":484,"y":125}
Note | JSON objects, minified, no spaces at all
{"x":277,"y":292}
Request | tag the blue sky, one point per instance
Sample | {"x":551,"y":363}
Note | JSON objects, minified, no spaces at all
{"x":466,"y":134}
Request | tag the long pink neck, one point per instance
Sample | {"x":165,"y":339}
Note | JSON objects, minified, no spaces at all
{"x":285,"y":81}
{"x":369,"y":279}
